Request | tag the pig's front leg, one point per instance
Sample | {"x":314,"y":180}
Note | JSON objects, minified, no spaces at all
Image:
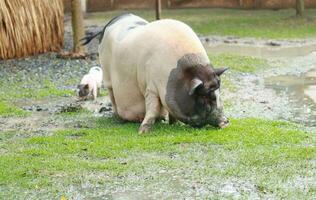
{"x":153,"y":107}
{"x":172,"y":119}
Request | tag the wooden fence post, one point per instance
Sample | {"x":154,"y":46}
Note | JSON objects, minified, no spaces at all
{"x":158,"y":9}
{"x":77,"y":26}
{"x":299,"y":8}
{"x":112,"y":4}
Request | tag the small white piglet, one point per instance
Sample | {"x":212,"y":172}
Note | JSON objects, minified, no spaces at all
{"x":91,"y":83}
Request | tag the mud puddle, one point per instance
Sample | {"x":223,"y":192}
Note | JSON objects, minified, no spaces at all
{"x":286,"y":91}
{"x":258,"y":48}
{"x":43,"y":114}
{"x":59,"y":105}
{"x":301,"y":90}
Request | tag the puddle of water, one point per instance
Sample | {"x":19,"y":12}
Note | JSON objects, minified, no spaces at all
{"x":302,"y":94}
{"x":261,"y":51}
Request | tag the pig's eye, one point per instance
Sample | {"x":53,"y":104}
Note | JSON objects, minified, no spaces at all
{"x":212,"y":96}
{"x":200,"y":91}
{"x":213,"y":88}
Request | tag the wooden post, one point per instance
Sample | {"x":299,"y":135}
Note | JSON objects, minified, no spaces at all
{"x":241,"y":3}
{"x":112,"y":4}
{"x":169,"y":4}
{"x":77,"y":26}
{"x":158,"y":9}
{"x":299,"y":7}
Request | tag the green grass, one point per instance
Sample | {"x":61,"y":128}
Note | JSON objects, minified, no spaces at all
{"x":266,"y":152}
{"x":267,"y":155}
{"x":7,"y":110}
{"x":281,"y":24}
{"x":31,"y":90}
{"x":239,"y":63}
{"x":49,"y":89}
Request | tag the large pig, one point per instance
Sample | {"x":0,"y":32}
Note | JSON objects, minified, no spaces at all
{"x":151,"y":69}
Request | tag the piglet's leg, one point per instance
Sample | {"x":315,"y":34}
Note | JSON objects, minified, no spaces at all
{"x":153,"y":107}
{"x":95,"y":92}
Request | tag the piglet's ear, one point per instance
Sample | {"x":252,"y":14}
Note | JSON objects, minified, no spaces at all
{"x":86,"y":86}
{"x":195,"y":83}
{"x":220,"y":71}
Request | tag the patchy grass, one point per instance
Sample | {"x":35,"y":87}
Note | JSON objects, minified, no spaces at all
{"x":7,"y":110}
{"x":96,"y":157}
{"x":239,"y":63}
{"x":103,"y":93}
{"x":32,"y":90}
{"x":281,"y":24}
{"x":49,"y":89}
{"x":269,"y":154}
{"x":41,"y":76}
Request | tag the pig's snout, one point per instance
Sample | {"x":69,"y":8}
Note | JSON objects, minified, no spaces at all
{"x":224,"y":122}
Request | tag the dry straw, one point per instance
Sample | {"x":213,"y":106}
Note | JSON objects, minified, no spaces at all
{"x":29,"y":27}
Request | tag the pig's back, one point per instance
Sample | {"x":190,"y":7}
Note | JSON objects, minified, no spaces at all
{"x":167,"y":41}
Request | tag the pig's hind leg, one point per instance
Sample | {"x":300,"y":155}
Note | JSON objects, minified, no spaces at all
{"x":153,"y":110}
{"x":114,"y":108}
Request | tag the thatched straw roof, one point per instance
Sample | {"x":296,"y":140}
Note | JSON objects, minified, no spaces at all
{"x":30,"y":26}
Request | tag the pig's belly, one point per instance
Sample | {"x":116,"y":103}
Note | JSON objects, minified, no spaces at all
{"x":130,"y":103}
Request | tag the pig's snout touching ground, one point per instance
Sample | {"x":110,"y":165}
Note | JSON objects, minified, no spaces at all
{"x":223,"y":123}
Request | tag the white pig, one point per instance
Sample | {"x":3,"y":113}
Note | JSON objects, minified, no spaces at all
{"x":91,"y":83}
{"x":151,"y":68}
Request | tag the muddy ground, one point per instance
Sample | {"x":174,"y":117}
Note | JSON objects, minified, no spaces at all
{"x":259,"y":94}
{"x":254,"y":95}
{"x":266,"y":93}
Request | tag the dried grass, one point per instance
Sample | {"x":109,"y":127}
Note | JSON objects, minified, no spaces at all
{"x":29,"y":27}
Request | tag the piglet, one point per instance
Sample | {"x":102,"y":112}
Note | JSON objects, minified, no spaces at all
{"x":90,"y":83}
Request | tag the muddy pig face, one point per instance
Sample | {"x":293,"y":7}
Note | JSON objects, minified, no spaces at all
{"x":204,"y":89}
{"x":83,"y":90}
{"x":194,"y":98}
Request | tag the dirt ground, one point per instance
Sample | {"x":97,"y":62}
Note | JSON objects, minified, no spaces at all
{"x":256,"y":94}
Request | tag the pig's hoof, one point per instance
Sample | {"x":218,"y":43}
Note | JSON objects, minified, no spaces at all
{"x":145,"y":128}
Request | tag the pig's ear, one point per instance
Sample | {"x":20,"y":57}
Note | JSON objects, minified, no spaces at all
{"x":195,"y":83}
{"x":220,"y":71}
